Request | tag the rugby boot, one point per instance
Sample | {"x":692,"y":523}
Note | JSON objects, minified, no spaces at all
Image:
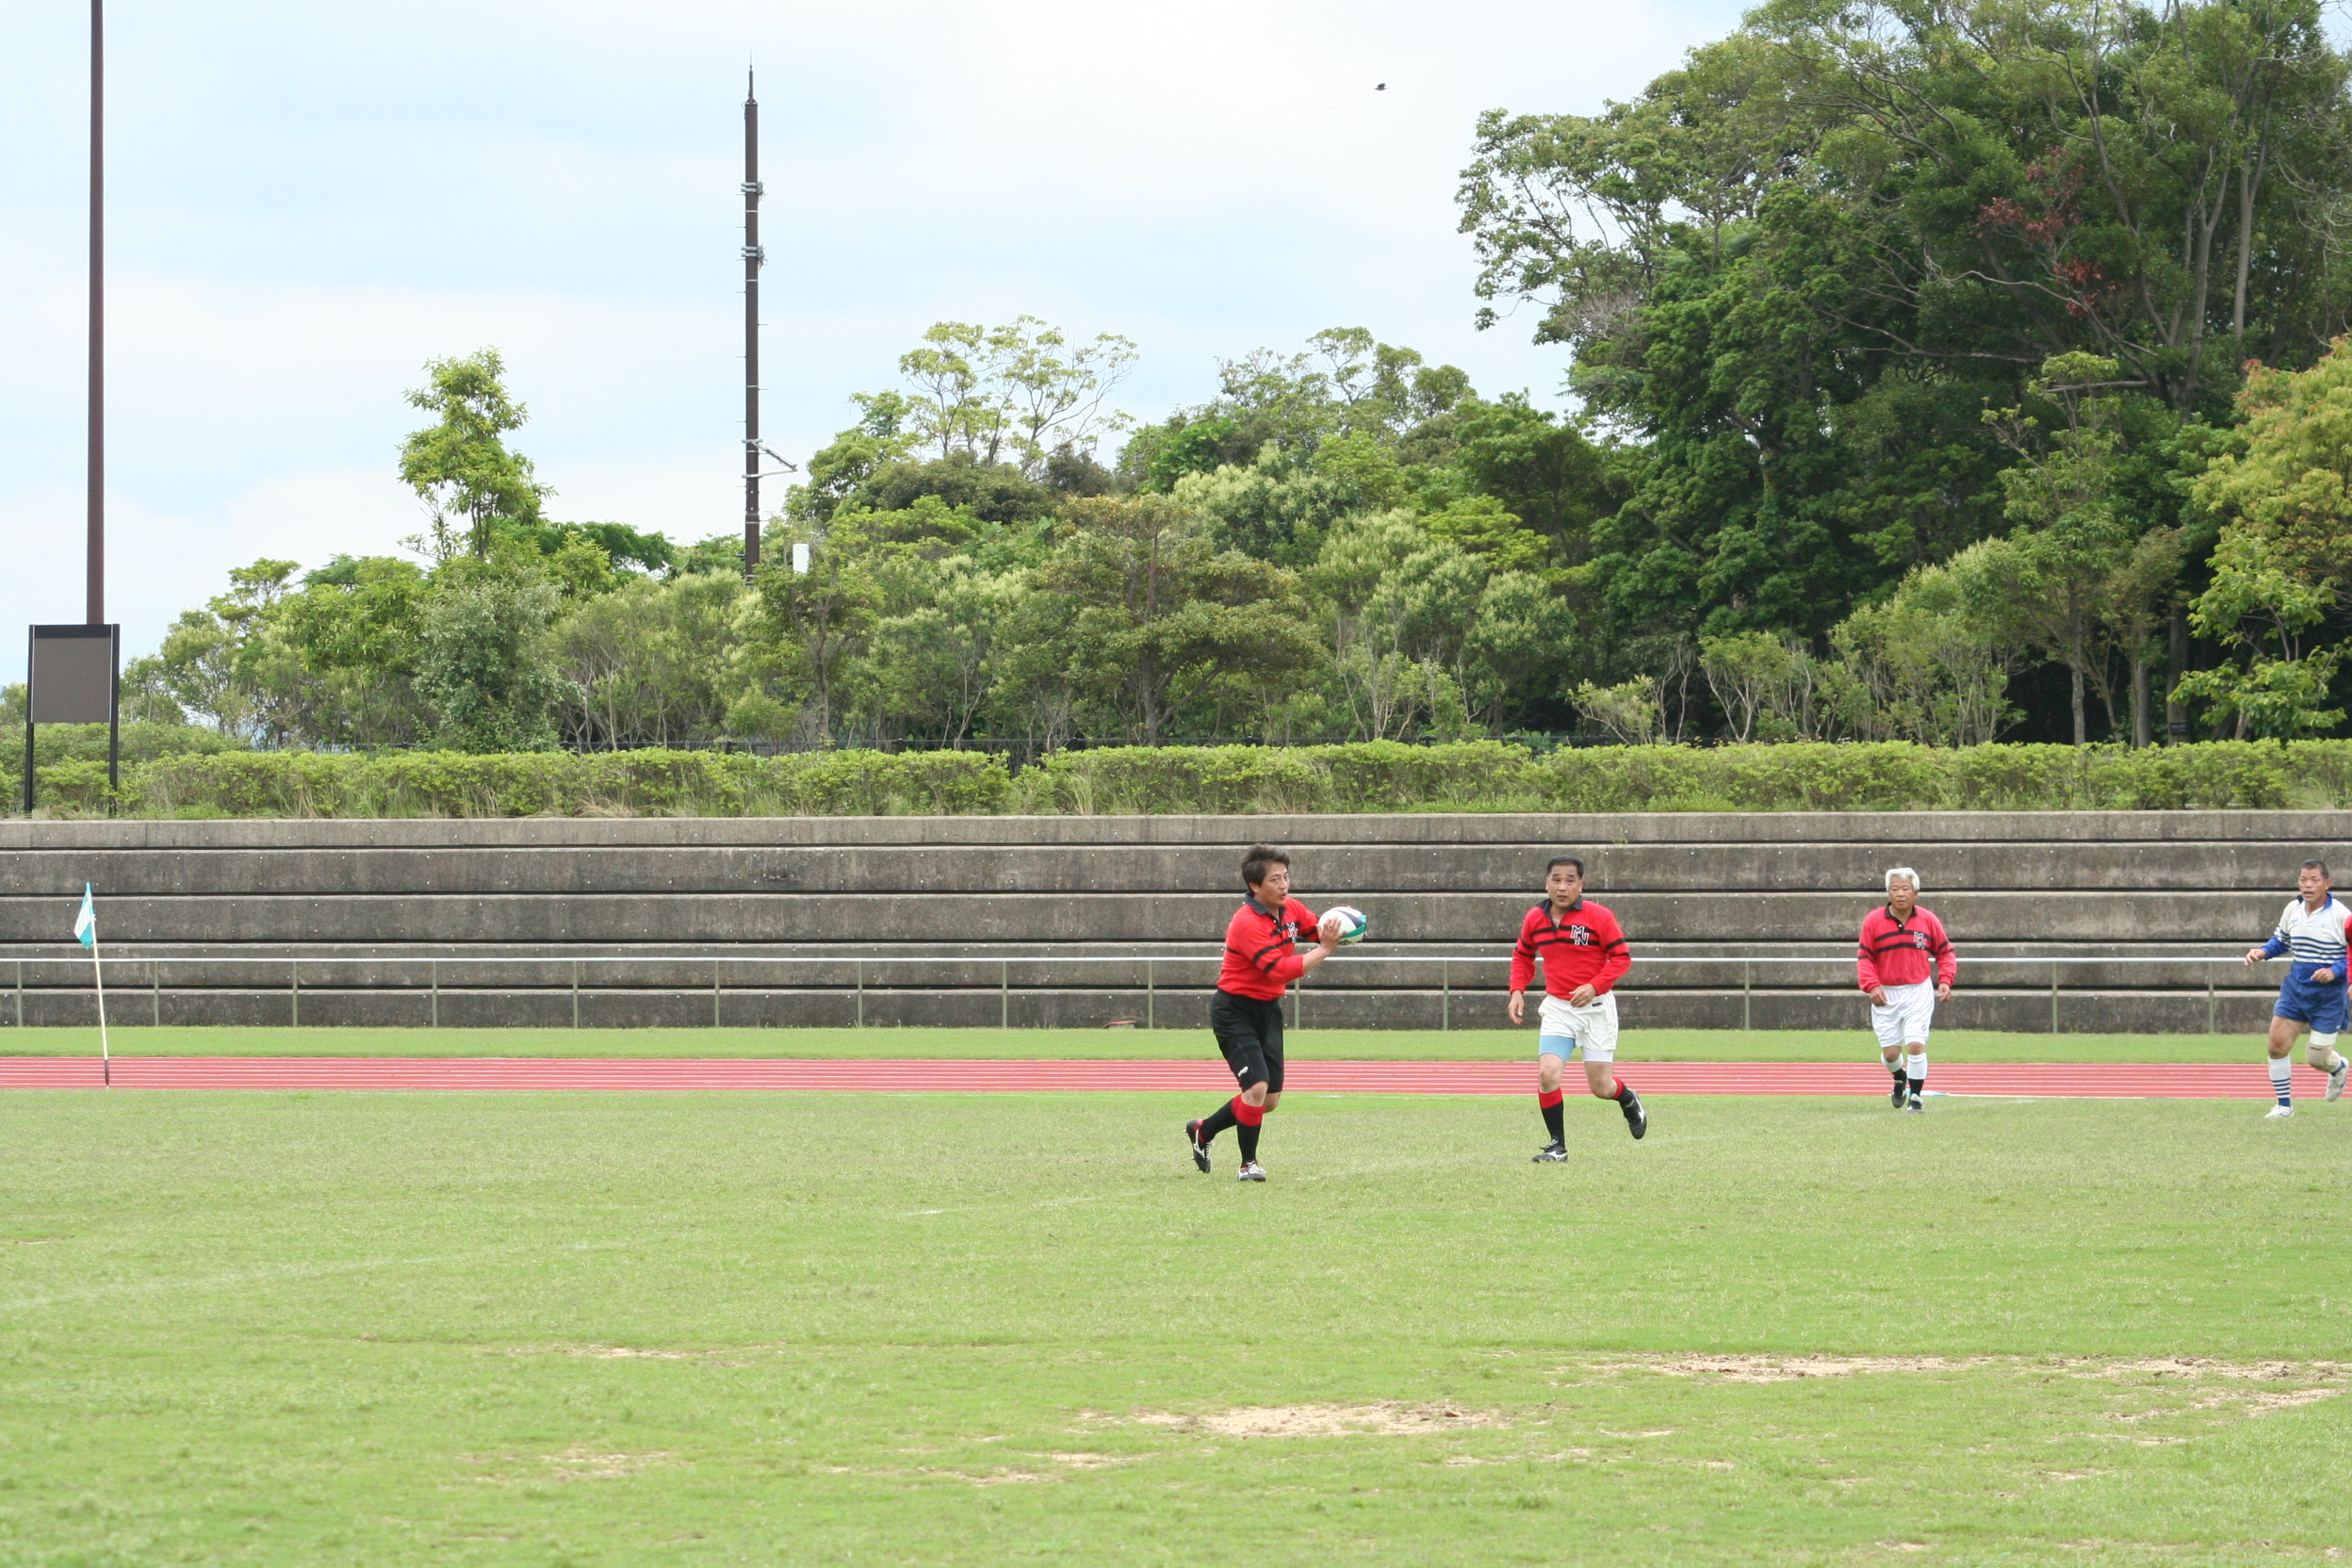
{"x":1200,"y":1145}
{"x":1637,"y":1119}
{"x":2335,"y":1079}
{"x":1551,"y":1153}
{"x":1902,"y":1089}
{"x":1252,"y":1171}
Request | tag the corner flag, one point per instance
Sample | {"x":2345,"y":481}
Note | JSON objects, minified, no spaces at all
{"x":85,"y":933}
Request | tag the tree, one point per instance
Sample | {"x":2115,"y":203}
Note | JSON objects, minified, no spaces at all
{"x":487,"y":665}
{"x":2282,"y":568}
{"x":1014,"y":392}
{"x":460,"y":466}
{"x":1164,"y":622}
{"x":656,"y":664}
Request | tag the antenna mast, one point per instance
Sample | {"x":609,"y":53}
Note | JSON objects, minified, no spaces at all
{"x":753,"y":255}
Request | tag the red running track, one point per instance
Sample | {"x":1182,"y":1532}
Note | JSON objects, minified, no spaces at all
{"x":2102,"y":1081}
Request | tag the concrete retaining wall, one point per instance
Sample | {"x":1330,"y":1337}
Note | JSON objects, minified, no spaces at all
{"x":386,"y":923}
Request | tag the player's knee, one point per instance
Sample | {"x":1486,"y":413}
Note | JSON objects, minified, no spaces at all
{"x":1273,"y":1099}
{"x":2322,"y":1048}
{"x":1254,"y":1095}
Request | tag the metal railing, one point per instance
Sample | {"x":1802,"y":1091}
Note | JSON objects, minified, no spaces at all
{"x":152,"y":968}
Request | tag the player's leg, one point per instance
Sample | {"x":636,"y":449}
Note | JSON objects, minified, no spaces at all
{"x":1887,"y":1023}
{"x":1263,"y":1092}
{"x":1235,"y":1040}
{"x":1554,"y":1039}
{"x":1597,"y":1029}
{"x":2328,"y":1020}
{"x":1920,"y":1017}
{"x":2283,"y":1028}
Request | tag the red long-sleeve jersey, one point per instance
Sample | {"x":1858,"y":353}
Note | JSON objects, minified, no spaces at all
{"x":1896,"y":953}
{"x":1584,"y":947}
{"x":1261,"y":950}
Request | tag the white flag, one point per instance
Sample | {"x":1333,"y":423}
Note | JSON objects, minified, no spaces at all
{"x":86,"y":924}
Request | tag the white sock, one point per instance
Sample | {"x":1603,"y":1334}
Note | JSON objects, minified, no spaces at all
{"x":1915,"y":1067}
{"x":2282,"y":1079}
{"x":2328,"y":1063}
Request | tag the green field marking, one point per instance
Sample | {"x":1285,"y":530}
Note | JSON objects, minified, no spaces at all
{"x":819,"y":1328}
{"x":1372,"y":1045}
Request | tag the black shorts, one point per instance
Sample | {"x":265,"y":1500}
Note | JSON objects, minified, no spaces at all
{"x":1249,"y":1032}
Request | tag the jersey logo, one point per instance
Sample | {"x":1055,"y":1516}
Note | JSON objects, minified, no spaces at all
{"x":1582,"y":936}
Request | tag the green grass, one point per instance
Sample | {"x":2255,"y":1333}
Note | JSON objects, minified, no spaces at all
{"x":556,"y":1329}
{"x":1463,"y":1045}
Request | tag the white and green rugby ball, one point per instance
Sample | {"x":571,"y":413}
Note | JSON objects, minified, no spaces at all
{"x":1353,"y":925}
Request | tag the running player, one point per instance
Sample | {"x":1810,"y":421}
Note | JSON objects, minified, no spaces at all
{"x":1261,"y":960}
{"x":1584,"y":955}
{"x":2312,"y":994}
{"x":1898,"y":942}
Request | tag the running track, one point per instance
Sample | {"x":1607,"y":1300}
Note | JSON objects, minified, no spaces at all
{"x":2171,"y":1081}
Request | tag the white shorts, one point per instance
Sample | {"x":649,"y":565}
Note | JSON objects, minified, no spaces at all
{"x":1561,"y":1028}
{"x":1905,"y":1018}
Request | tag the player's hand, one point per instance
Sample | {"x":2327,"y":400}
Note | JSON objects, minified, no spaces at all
{"x":2253,"y":955}
{"x":1581,"y":997}
{"x":2323,"y":975}
{"x":1943,"y":991}
{"x":1877,"y":995}
{"x":1326,"y":935}
{"x":1518,"y":1006}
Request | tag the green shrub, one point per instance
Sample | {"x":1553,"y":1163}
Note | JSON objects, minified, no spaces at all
{"x":1380,"y":775}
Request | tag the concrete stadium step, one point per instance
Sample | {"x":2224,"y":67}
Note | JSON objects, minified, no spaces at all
{"x":965,"y":894}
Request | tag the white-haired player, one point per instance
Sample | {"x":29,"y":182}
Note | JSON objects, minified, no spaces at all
{"x":2312,"y":996}
{"x":1902,"y":945}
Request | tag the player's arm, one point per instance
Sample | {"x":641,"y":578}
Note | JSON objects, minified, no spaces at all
{"x":1522,"y":972}
{"x":2277,"y":945}
{"x":1866,"y":970}
{"x":1946,"y":963}
{"x":1325,"y":941}
{"x":1616,"y":958}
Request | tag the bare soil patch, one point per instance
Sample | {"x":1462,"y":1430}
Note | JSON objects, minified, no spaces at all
{"x":1385,"y":1418}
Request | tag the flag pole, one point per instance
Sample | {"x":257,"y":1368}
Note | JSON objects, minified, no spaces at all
{"x":105,"y":1057}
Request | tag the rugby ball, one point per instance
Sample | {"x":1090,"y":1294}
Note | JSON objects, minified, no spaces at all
{"x":1352,"y":925}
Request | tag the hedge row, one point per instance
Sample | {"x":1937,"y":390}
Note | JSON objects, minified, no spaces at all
{"x":1483,"y":775}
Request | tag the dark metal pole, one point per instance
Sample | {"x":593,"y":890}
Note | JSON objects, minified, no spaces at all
{"x":96,"y":608}
{"x":753,"y":256}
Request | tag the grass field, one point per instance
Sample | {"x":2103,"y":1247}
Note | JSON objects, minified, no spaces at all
{"x":557,"y":1329}
{"x":1638,"y":1045}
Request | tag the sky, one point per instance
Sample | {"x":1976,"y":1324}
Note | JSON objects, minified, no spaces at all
{"x":306,"y":203}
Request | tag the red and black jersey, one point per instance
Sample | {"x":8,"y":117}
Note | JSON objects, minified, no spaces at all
{"x":1897,"y":953}
{"x":1583,"y":947}
{"x":1260,"y":949}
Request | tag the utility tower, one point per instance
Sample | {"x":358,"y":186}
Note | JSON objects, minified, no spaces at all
{"x":753,"y":256}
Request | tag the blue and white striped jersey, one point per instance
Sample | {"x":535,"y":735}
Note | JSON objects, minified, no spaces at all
{"x":2314,"y":936}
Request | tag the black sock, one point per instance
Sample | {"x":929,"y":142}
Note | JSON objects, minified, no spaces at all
{"x":1216,"y":1121}
{"x":1556,"y":1121}
{"x":1918,"y":1088}
{"x":1248,"y":1142}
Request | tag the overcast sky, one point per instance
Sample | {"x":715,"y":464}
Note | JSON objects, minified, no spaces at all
{"x":307,"y":202}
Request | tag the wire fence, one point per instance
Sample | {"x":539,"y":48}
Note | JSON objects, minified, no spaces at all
{"x":567,"y":971}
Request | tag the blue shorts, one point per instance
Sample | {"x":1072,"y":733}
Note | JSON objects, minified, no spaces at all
{"x":2319,"y":1004}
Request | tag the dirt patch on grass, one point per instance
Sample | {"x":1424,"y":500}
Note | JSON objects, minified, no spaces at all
{"x":1782,"y":1369}
{"x":580,"y":1464}
{"x":1386,"y":1418}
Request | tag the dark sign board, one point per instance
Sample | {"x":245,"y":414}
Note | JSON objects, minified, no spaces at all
{"x":74,"y":670}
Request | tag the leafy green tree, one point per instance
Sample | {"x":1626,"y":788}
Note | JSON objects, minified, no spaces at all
{"x":2282,"y":568}
{"x":657,"y":663}
{"x":1163,"y":624}
{"x":487,"y":665}
{"x":460,"y":466}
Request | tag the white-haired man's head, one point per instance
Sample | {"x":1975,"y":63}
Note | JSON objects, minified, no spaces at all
{"x":1903,"y":874}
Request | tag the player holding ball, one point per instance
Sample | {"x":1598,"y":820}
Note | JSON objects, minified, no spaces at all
{"x":1584,"y":955}
{"x":1261,"y":959}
